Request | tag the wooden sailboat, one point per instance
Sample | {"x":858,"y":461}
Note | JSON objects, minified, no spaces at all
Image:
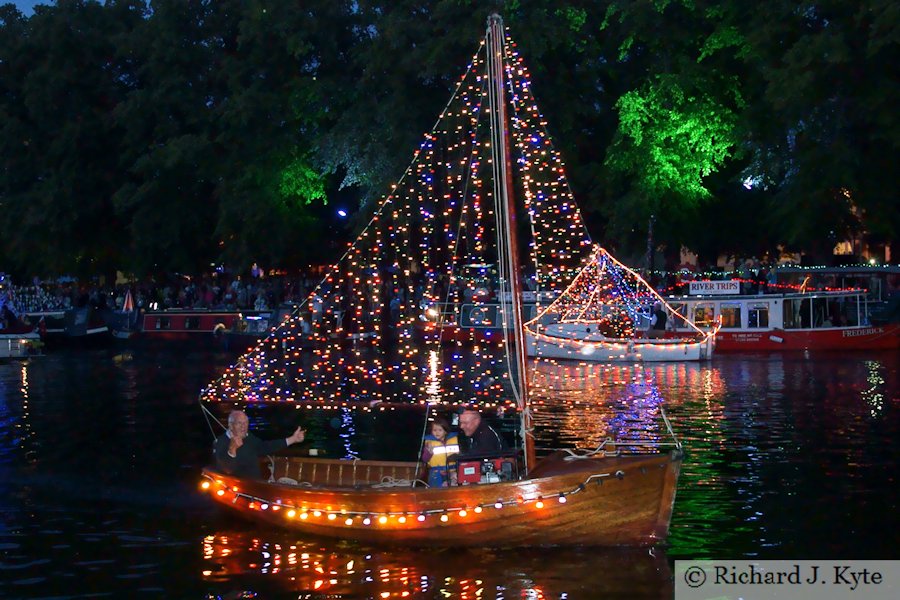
{"x":605,"y":497}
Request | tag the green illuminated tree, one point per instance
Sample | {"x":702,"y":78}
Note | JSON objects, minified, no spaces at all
{"x":670,"y":140}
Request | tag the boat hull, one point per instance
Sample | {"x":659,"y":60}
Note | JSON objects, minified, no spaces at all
{"x":876,"y":337}
{"x":72,"y":325}
{"x":19,"y":345}
{"x":201,"y":328}
{"x":789,"y":322}
{"x":608,"y":501}
{"x":572,"y":342}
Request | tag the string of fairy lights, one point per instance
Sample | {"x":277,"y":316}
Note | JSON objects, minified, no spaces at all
{"x":604,"y":293}
{"x":601,"y":314}
{"x":785,"y":288}
{"x":561,"y":242}
{"x":331,"y":514}
{"x":361,"y":337}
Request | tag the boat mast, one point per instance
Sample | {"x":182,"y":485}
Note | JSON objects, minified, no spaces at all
{"x":506,"y":205}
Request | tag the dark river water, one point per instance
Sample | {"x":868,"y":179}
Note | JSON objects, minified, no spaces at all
{"x":787,"y":456}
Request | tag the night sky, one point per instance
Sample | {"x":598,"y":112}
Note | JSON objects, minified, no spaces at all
{"x":27,"y":6}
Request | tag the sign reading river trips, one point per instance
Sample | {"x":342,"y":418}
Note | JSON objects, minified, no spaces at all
{"x":714,"y":287}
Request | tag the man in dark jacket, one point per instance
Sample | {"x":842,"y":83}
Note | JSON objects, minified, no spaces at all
{"x":480,"y":437}
{"x":657,"y":322}
{"x":237,"y":452}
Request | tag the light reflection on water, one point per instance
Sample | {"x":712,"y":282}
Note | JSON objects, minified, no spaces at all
{"x":584,"y":403}
{"x":786,"y":457}
{"x":345,"y":570}
{"x":782,"y":451}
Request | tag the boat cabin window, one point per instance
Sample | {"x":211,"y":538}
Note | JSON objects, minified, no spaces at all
{"x":821,"y":317}
{"x":851,"y":311}
{"x":257,"y":324}
{"x":163,"y":323}
{"x":474,"y":315}
{"x":815,"y":313}
{"x":704,"y":315}
{"x":798,"y":313}
{"x":680,"y":308}
{"x":839,"y":311}
{"x":441,"y":312}
{"x":731,"y":315}
{"x":192,"y":322}
{"x":758,"y":315}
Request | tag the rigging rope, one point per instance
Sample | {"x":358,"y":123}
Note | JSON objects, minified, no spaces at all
{"x":505,"y":259}
{"x":473,"y":157}
{"x":581,"y":454}
{"x":207,"y":414}
{"x":669,"y":427}
{"x":387,"y":482}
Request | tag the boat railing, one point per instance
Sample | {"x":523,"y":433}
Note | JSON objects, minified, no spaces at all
{"x":330,"y":472}
{"x":187,"y":310}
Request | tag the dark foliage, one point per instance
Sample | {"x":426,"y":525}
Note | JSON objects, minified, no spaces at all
{"x":171,"y":134}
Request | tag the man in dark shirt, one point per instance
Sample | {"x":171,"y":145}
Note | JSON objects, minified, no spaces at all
{"x":480,"y":437}
{"x":237,"y":452}
{"x":657,"y":322}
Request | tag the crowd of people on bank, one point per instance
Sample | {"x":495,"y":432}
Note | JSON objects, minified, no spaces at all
{"x":218,"y":292}
{"x":254,"y":291}
{"x":257,"y":291}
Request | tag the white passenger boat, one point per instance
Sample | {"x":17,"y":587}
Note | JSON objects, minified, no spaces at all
{"x":606,"y":314}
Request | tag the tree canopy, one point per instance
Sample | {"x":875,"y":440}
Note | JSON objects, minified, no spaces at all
{"x":167,"y":135}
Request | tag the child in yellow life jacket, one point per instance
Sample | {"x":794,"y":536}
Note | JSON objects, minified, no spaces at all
{"x":439,"y":444}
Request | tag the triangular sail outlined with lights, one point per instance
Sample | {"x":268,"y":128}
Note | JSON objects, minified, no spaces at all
{"x":363,"y":321}
{"x":373,"y":352}
{"x":607,"y":314}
